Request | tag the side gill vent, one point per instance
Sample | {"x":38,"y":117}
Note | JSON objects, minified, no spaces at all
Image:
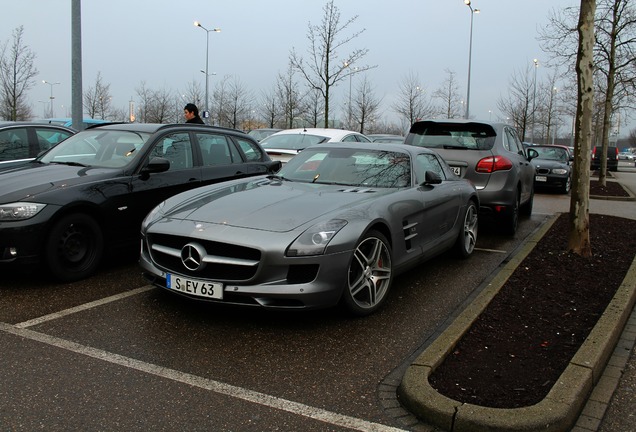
{"x":410,"y":232}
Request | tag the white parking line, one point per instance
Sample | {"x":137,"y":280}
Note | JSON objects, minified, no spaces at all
{"x":204,"y":383}
{"x":83,"y":307}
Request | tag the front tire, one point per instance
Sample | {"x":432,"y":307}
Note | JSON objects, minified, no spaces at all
{"x":74,"y":248}
{"x":510,"y":220}
{"x":467,"y":238}
{"x":369,"y":276}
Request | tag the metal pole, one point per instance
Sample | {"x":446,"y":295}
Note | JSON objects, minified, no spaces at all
{"x":77,"y":107}
{"x":470,"y":55}
{"x":534,"y":99}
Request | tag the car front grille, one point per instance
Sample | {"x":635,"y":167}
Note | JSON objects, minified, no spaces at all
{"x":239,"y":263}
{"x":543,"y":171}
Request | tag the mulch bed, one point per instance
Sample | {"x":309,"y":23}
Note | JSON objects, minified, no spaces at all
{"x":519,"y":346}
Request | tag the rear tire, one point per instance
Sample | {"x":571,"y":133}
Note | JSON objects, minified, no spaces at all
{"x":510,"y":220}
{"x":74,"y":248}
{"x":467,"y":238}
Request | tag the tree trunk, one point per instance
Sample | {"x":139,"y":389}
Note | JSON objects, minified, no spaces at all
{"x":579,"y":238}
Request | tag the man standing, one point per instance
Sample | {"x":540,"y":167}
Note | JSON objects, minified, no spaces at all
{"x":191,"y":114}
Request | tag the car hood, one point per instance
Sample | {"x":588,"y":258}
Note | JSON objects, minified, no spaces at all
{"x":33,"y":180}
{"x":267,"y":205}
{"x":547,"y":163}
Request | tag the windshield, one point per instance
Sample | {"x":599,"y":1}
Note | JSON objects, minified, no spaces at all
{"x":552,"y":153}
{"x":97,"y":148}
{"x":349,"y":167}
{"x":298,"y":141}
{"x":469,"y":136}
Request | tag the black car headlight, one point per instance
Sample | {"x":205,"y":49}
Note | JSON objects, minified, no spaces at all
{"x":314,"y":240}
{"x":560,"y":171}
{"x":19,"y":211}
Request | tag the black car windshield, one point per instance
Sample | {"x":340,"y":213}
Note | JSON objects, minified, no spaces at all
{"x":468,"y":136}
{"x":350,"y":167}
{"x":552,"y":153}
{"x":97,"y":148}
{"x":299,"y":141}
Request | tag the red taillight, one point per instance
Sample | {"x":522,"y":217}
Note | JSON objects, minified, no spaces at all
{"x":493,"y":163}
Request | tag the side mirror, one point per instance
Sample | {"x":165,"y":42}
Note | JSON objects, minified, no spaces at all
{"x":156,"y":165}
{"x":431,"y":178}
{"x":532,"y":153}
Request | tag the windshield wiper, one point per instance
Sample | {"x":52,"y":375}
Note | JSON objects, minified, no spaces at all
{"x":455,"y":147}
{"x":69,"y":163}
{"x":278,"y":177}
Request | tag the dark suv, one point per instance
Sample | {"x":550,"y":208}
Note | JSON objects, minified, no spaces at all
{"x":612,"y":158}
{"x":491,"y":156}
{"x":91,"y":191}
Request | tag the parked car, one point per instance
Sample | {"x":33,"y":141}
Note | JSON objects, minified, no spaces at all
{"x":91,"y":191}
{"x":552,"y":167}
{"x":612,"y":158}
{"x":491,"y":156}
{"x":259,"y":134}
{"x":335,"y":225}
{"x":626,"y":156}
{"x":385,"y":138}
{"x":287,"y":143}
{"x":21,"y":142}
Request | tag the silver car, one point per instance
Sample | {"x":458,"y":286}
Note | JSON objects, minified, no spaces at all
{"x":491,"y":156}
{"x":334,"y":225}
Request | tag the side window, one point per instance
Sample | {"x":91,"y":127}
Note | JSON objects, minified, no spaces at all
{"x":47,"y":138}
{"x":252,"y":152}
{"x":349,"y":138}
{"x":512,"y":142}
{"x":215,"y":149}
{"x":177,"y":148}
{"x":426,"y":162}
{"x":14,"y":144}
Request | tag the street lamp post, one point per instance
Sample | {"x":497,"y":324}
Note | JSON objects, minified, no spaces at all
{"x":534,"y":98}
{"x":207,"y":62}
{"x":51,"y":97}
{"x":355,"y":69}
{"x":470,"y":54}
{"x":556,"y":114}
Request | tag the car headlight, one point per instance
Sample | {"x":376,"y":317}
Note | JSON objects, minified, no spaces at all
{"x":19,"y":211}
{"x":314,"y":240}
{"x":560,"y":171}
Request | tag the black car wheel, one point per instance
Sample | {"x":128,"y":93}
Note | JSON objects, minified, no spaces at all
{"x":467,"y":237}
{"x":74,"y":247}
{"x":567,"y":186}
{"x":370,"y":275}
{"x":526,"y":208}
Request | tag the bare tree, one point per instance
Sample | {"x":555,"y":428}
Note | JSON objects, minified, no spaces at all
{"x":325,"y":69}
{"x":17,"y":73}
{"x":448,"y":93}
{"x":155,"y":106}
{"x":579,"y":236}
{"x":517,"y":106}
{"x":97,"y":100}
{"x":289,"y":97}
{"x":365,"y":105}
{"x":412,"y":103}
{"x":236,"y":102}
{"x":315,"y":107}
{"x":269,"y":109}
{"x":192,"y":94}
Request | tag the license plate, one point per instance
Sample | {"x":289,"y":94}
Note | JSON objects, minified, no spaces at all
{"x":541,"y":178}
{"x":457,"y":171}
{"x":195,"y":287}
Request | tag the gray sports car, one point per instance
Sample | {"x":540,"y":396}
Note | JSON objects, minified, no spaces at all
{"x":334,"y":225}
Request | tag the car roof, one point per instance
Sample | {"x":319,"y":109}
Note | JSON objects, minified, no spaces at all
{"x":4,"y":124}
{"x":154,"y":127}
{"x":377,"y":146}
{"x":494,"y":124}
{"x":328,"y":132}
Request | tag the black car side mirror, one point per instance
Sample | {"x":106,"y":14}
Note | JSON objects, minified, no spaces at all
{"x":532,"y":153}
{"x":156,"y":165}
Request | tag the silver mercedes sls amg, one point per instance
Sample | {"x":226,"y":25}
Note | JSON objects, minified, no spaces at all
{"x":333,"y":226}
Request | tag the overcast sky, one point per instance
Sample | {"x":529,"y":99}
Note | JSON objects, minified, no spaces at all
{"x":155,"y":41}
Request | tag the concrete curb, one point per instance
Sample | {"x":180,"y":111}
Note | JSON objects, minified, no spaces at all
{"x":560,"y":409}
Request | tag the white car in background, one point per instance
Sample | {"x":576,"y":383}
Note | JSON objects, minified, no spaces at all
{"x":288,"y":143}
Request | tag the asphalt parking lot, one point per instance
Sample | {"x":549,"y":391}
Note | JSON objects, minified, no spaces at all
{"x":112,"y":353}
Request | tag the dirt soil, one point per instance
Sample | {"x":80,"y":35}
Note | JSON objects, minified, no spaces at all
{"x":519,"y":346}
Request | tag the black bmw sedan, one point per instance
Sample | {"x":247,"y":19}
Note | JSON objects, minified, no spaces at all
{"x":90,"y":193}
